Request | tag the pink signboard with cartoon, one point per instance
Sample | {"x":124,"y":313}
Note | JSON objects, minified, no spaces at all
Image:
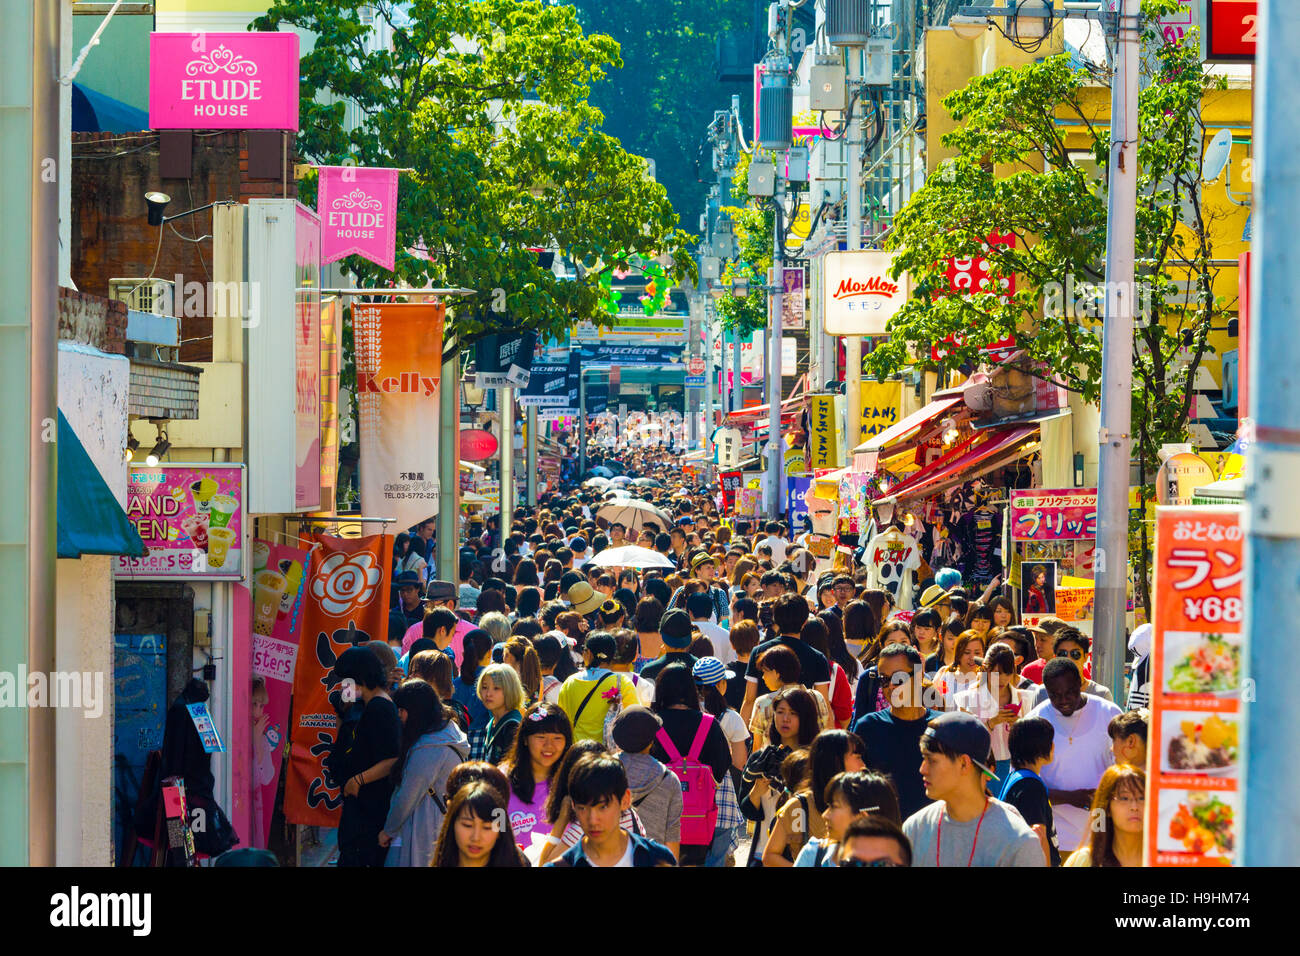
{"x":201,"y":80}
{"x":1046,"y":515}
{"x":191,"y":519}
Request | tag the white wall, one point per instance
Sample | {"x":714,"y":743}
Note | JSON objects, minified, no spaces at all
{"x":93,"y":389}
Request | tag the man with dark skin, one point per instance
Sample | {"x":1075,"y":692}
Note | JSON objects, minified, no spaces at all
{"x":1082,"y":747}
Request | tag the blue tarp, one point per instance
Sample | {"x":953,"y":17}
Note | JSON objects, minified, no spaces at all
{"x":93,"y":112}
{"x":90,"y":521}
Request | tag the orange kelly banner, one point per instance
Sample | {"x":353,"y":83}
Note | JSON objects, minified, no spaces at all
{"x":399,"y":363}
{"x":344,"y":602}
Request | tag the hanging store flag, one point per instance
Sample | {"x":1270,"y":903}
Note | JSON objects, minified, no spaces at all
{"x":730,"y":482}
{"x":823,"y":451}
{"x":793,"y":305}
{"x":796,"y":504}
{"x":1193,"y":802}
{"x":547,"y":386}
{"x":200,"y":80}
{"x":358,"y":213}
{"x":880,"y":401}
{"x":345,"y":602}
{"x":399,"y":361}
{"x":505,"y":360}
{"x":331,"y":361}
{"x":974,"y":274}
{"x":277,"y":606}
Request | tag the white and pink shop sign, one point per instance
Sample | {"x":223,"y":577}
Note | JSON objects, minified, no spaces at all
{"x":223,"y":81}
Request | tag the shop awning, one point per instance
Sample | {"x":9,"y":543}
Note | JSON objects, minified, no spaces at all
{"x":997,"y":450}
{"x":908,"y":427}
{"x":90,"y":521}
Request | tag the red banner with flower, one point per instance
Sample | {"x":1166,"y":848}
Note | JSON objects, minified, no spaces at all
{"x":345,"y":602}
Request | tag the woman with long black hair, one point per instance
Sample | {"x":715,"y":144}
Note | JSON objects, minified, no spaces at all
{"x":432,"y":746}
{"x":362,"y":766}
{"x":472,"y":834}
{"x":476,"y":654}
{"x":544,"y":737}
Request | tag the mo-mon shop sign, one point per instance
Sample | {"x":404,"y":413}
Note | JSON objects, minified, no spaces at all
{"x":205,"y":80}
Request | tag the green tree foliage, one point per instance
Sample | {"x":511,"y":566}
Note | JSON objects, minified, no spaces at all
{"x":488,"y":103}
{"x":1054,"y":202}
{"x":660,"y":102}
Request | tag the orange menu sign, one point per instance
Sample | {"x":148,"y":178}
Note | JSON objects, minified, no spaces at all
{"x":1193,"y":795}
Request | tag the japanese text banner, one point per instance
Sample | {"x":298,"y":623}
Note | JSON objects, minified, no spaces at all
{"x":1193,"y":757}
{"x":344,"y":602}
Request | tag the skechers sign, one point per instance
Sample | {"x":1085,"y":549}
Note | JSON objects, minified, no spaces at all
{"x":860,"y":295}
{"x":223,"y":81}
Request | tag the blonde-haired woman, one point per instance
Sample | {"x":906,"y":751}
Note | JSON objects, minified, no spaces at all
{"x":502,"y":693}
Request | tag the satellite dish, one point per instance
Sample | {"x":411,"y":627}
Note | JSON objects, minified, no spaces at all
{"x":1216,"y":156}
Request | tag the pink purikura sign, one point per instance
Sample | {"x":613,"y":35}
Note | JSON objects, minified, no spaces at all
{"x":358,"y":213}
{"x":223,"y":81}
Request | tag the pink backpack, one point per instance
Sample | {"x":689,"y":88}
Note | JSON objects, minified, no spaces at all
{"x":699,"y":809}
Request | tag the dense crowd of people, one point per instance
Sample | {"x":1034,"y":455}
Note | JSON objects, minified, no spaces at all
{"x":687,"y":689}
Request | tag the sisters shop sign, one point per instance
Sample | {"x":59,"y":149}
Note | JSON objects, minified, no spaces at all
{"x":223,"y":81}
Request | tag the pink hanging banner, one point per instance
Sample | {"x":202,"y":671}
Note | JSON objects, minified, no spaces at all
{"x":358,"y":213}
{"x":206,"y":80}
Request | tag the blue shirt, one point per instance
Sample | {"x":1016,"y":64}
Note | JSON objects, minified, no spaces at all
{"x":645,"y":852}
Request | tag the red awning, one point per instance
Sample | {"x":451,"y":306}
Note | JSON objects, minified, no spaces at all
{"x":997,"y":450}
{"x":906,"y":429}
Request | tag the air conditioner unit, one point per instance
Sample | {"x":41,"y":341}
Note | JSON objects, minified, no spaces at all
{"x":145,"y":295}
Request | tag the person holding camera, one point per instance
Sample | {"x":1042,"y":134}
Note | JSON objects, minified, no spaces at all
{"x":763,"y":791}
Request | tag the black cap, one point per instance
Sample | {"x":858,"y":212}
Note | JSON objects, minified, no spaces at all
{"x":675,"y":629}
{"x":963,"y":733}
{"x":634,"y":728}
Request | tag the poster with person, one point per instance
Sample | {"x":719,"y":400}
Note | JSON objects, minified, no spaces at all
{"x":277,"y":609}
{"x":1038,"y":588}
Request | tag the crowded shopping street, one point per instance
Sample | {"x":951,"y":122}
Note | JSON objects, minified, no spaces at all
{"x":527,"y":434}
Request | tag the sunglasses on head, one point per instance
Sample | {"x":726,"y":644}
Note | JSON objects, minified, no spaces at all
{"x":1074,"y":655}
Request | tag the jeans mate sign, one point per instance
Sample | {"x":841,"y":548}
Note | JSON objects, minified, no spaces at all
{"x":223,"y":81}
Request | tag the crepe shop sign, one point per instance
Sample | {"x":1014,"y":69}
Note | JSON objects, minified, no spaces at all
{"x":223,"y":81}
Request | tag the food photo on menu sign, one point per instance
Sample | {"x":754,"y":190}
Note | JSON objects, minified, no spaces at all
{"x":190,"y":519}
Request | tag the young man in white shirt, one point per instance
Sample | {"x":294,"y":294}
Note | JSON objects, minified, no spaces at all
{"x":1083,"y":753}
{"x":776,"y":541}
{"x":965,"y":826}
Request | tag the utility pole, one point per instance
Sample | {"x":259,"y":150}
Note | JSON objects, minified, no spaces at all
{"x":776,"y":455}
{"x":736,"y":397}
{"x":708,"y":385}
{"x":507,"y":460}
{"x":448,"y":564}
{"x":582,"y":423}
{"x":1272,"y":558}
{"x":853,"y":241}
{"x":1116,"y":443}
{"x":531,"y":425}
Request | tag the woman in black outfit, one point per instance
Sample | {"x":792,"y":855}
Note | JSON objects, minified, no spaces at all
{"x":363,"y":763}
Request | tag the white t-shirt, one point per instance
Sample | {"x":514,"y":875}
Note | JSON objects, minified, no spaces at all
{"x":1082,"y":755}
{"x":733,"y":727}
{"x":625,"y":859}
{"x":978,"y":701}
{"x":891,"y":557}
{"x":778,"y":546}
{"x":720,"y":638}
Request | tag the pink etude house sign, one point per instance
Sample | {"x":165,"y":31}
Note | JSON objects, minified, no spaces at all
{"x":223,"y":80}
{"x":358,"y":213}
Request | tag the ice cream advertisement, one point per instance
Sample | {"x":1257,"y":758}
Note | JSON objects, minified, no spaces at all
{"x":191,"y":520}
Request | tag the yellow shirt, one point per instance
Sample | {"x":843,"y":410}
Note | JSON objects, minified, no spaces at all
{"x":591,"y":725}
